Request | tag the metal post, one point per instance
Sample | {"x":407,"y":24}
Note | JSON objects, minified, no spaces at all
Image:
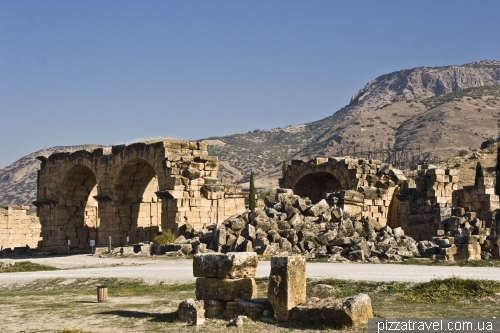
{"x":109,"y":243}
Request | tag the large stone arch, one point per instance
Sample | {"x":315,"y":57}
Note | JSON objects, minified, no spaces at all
{"x":139,"y":208}
{"x":76,"y":219}
{"x":142,"y":188}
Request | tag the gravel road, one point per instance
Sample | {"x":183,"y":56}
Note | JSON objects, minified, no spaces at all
{"x":180,"y":270}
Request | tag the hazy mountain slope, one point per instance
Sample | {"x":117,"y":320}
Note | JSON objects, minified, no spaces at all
{"x":18,"y":180}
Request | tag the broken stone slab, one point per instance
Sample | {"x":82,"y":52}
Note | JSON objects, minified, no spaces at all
{"x":253,"y":309}
{"x":231,"y":265}
{"x":225,"y":289}
{"x":327,"y":237}
{"x":287,"y":284}
{"x":356,"y":256}
{"x":318,"y":209}
{"x":191,"y":311}
{"x":346,"y":312}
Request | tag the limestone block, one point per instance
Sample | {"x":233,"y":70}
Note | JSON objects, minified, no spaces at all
{"x":191,"y":311}
{"x":254,"y":309}
{"x":214,"y":308}
{"x":232,"y":265}
{"x":287,"y":284}
{"x":318,"y":209}
{"x":225,"y":289}
{"x":347,"y":312}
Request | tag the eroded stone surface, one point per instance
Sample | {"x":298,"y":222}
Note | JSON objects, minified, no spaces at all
{"x":346,"y":312}
{"x":287,"y":284}
{"x":191,"y":311}
{"x":232,"y":265}
{"x":225,"y":289}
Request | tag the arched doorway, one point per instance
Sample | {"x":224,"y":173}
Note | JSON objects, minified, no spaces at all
{"x":139,"y":208}
{"x":314,"y":185}
{"x":77,"y":218}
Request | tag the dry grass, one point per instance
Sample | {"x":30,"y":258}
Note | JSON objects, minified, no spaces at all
{"x":70,"y":306}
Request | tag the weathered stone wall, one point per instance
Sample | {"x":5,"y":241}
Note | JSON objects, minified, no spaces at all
{"x":17,"y":228}
{"x":363,"y":187}
{"x":130,"y":192}
{"x":480,"y":199}
{"x":427,"y":201}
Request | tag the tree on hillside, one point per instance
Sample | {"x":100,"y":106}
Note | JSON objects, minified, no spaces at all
{"x":497,"y":172}
{"x":251,"y":195}
{"x":479,"y":173}
{"x":283,"y":167}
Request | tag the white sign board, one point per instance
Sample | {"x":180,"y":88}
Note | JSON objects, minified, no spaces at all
{"x":69,"y":241}
{"x":128,"y":239}
{"x":92,"y":242}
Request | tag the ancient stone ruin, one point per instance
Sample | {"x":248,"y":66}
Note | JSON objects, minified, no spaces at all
{"x":18,"y":228}
{"x":343,"y":208}
{"x":225,"y":288}
{"x":130,"y":193}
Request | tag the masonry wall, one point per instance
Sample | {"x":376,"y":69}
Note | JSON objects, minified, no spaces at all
{"x":427,"y":202}
{"x":17,"y":228}
{"x":130,"y":193}
{"x":480,"y":199}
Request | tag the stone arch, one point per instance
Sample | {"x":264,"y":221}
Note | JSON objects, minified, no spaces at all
{"x":76,"y":218}
{"x":315,"y":185}
{"x":131,"y":153}
{"x":139,"y":208}
{"x":320,"y":176}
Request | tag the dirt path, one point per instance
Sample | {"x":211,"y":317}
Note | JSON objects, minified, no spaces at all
{"x":153,"y":270}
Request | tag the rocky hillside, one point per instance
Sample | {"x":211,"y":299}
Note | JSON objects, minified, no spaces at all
{"x":441,"y":110}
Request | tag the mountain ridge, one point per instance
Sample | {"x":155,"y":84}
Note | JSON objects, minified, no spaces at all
{"x":410,"y":106}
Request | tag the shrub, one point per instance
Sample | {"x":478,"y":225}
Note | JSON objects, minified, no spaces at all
{"x":488,"y":143}
{"x":164,"y":238}
{"x":462,"y":152}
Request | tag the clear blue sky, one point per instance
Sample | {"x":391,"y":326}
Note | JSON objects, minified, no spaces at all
{"x":110,"y":72}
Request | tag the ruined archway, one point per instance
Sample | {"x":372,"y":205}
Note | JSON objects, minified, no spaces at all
{"x":316,"y":185}
{"x":139,"y":208}
{"x":76,"y":218}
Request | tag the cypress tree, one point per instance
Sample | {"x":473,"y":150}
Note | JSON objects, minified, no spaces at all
{"x":479,"y":173}
{"x":251,"y":195}
{"x":497,"y":172}
{"x":283,"y":167}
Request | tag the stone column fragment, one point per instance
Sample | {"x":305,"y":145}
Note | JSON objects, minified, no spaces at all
{"x":287,"y":284}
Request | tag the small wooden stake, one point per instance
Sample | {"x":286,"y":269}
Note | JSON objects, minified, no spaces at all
{"x":102,"y":294}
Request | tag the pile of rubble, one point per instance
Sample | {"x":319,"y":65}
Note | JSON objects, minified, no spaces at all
{"x":293,"y":225}
{"x":462,"y":237}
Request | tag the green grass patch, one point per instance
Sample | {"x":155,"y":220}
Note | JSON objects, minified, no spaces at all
{"x":26,"y":266}
{"x":345,"y":288}
{"x":453,"y":289}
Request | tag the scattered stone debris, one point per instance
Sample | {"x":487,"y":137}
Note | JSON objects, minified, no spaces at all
{"x":225,"y":288}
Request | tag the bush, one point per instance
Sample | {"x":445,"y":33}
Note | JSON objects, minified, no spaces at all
{"x":488,"y":143}
{"x":164,"y":238}
{"x":462,"y":152}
